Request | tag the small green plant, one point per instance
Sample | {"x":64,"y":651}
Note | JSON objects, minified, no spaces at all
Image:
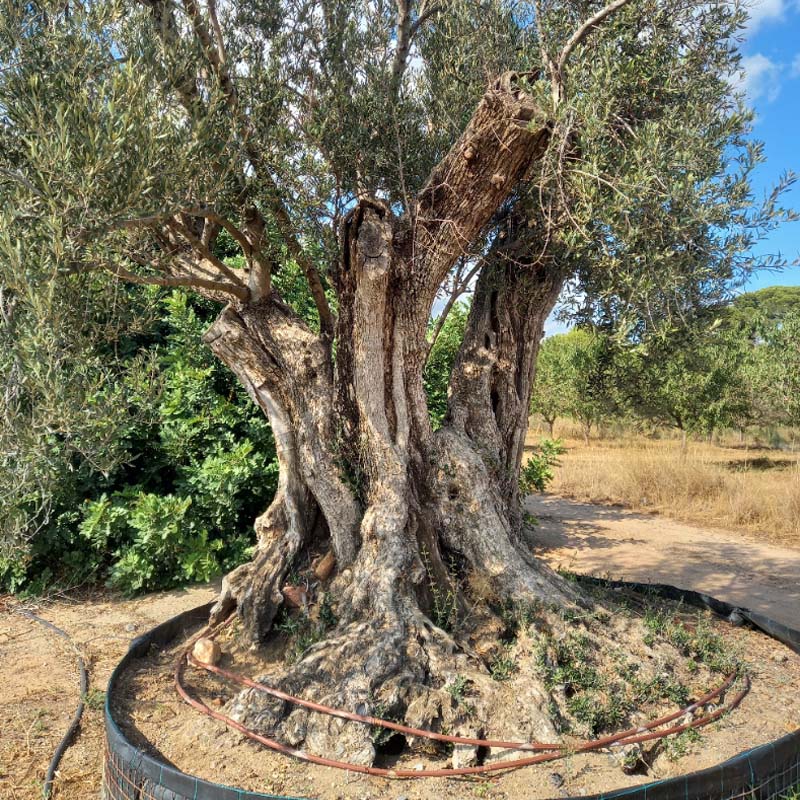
{"x":537,"y":471}
{"x":660,"y":686}
{"x":519,"y":616}
{"x":701,"y":646}
{"x":457,"y":689}
{"x":567,"y":662}
{"x":444,"y":609}
{"x":598,"y":712}
{"x":676,"y":747}
{"x":503,"y":665}
{"x":380,"y":735}
{"x":326,"y":614}
{"x":301,"y":631}
{"x":95,"y":699}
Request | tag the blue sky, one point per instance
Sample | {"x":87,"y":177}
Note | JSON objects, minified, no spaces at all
{"x":771,"y":81}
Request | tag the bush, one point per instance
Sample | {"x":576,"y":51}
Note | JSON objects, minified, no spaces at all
{"x":199,"y":466}
{"x":537,"y":471}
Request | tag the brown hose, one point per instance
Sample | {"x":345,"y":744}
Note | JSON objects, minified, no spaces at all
{"x":555,"y":751}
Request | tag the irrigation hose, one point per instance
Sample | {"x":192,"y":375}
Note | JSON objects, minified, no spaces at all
{"x":66,"y":740}
{"x":551,"y":752}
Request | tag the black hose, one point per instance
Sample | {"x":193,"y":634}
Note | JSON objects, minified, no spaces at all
{"x":76,"y":717}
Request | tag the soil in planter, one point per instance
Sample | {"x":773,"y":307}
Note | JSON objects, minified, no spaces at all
{"x":154,"y":717}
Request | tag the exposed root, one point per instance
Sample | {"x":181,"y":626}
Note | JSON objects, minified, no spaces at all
{"x":522,"y":673}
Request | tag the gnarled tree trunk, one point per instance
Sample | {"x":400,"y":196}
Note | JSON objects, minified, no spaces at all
{"x":414,"y":516}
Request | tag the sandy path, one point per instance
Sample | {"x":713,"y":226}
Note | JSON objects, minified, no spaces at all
{"x":604,"y":540}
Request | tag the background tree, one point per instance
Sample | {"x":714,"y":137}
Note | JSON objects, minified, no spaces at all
{"x":770,"y":304}
{"x":441,"y":359}
{"x":575,"y":378}
{"x":689,"y":380}
{"x":548,"y":397}
{"x":514,"y":140}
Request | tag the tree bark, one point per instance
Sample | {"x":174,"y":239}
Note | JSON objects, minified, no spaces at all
{"x":414,"y":517}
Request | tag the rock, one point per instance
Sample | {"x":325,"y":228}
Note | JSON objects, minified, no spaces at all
{"x":780,"y":657}
{"x":735,"y":618}
{"x":326,"y":565}
{"x":631,"y":758}
{"x":343,"y":741}
{"x":257,"y":710}
{"x":295,"y":727}
{"x":556,"y":779}
{"x":464,"y":755}
{"x":207,"y":651}
{"x":294,"y":596}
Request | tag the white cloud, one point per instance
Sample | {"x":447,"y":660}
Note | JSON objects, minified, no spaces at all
{"x":764,"y":11}
{"x":759,"y":78}
{"x":795,"y":72}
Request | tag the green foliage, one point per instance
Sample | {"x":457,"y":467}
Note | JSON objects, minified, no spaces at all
{"x":537,"y":472}
{"x":503,"y":665}
{"x":441,"y":359}
{"x":95,"y":699}
{"x":596,"y":712}
{"x":574,"y":378}
{"x":195,"y":467}
{"x":302,"y":631}
{"x":458,"y":687}
{"x":703,"y":645}
{"x":567,"y":662}
{"x":771,"y":304}
{"x":676,"y":747}
{"x":688,"y":380}
{"x":548,"y":397}
{"x":772,"y":372}
{"x":731,"y":367}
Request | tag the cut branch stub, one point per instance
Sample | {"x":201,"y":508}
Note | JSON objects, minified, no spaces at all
{"x":507,"y":132}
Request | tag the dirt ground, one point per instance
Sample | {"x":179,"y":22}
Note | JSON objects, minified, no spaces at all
{"x":149,"y":713}
{"x":39,"y":684}
{"x":609,"y":541}
{"x":38,"y":677}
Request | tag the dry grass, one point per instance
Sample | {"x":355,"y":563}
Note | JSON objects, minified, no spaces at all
{"x":756,"y":490}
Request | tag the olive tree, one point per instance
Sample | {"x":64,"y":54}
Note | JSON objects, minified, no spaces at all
{"x":386,"y":151}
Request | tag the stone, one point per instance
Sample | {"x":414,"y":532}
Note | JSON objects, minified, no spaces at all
{"x":780,"y":657}
{"x":556,"y":779}
{"x":325,"y":566}
{"x":464,"y":755}
{"x":207,"y":651}
{"x":294,"y":596}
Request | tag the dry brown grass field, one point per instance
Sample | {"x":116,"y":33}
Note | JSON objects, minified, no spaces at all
{"x":729,"y":485}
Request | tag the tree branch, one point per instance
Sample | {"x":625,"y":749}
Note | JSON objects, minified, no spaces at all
{"x":586,"y":29}
{"x":404,"y":34}
{"x":178,"y":280}
{"x":326,"y":320}
{"x":557,"y":74}
{"x":203,"y":251}
{"x":460,"y":285}
{"x":507,"y":132}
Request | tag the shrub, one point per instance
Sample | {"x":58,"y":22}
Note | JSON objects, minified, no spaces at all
{"x":199,"y":466}
{"x":537,"y":471}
